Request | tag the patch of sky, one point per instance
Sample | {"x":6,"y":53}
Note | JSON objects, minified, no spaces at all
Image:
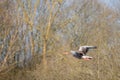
{"x":113,"y":4}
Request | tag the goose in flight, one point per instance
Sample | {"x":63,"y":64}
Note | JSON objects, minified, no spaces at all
{"x":81,"y":53}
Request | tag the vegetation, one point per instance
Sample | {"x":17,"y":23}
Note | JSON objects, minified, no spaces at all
{"x":35,"y":33}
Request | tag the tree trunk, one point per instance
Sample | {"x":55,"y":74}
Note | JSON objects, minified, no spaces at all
{"x":44,"y":54}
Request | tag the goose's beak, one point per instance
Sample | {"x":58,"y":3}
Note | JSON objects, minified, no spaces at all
{"x":65,"y":52}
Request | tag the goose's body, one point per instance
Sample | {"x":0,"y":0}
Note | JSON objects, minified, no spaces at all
{"x":81,"y":53}
{"x":77,"y":54}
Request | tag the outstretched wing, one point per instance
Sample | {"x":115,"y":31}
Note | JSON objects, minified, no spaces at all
{"x":85,"y":49}
{"x":87,"y":57}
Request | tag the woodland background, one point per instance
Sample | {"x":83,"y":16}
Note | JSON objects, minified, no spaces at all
{"x":35,"y":33}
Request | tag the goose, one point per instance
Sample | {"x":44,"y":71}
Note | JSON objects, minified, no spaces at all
{"x":81,"y":53}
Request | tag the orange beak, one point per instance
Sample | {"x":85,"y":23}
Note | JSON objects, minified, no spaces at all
{"x":66,"y":53}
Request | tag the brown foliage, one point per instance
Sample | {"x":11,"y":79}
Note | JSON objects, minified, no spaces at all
{"x":36,"y":35}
